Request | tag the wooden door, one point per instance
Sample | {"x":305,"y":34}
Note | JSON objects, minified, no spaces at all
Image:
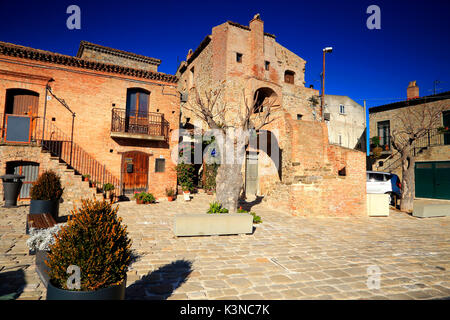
{"x":134,"y":171}
{"x":137,"y":111}
{"x":24,"y":103}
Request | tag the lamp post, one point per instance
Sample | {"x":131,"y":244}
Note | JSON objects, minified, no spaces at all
{"x":325,"y":50}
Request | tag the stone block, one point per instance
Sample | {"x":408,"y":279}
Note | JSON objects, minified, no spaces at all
{"x":428,"y":210}
{"x":377,"y":205}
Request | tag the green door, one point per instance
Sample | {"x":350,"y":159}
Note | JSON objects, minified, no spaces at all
{"x":442,"y":174}
{"x":424,"y":180}
{"x":433,"y":179}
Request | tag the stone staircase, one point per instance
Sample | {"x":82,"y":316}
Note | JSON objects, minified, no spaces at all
{"x":75,"y":188}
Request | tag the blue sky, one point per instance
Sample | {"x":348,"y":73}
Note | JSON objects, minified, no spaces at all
{"x":413,"y":43}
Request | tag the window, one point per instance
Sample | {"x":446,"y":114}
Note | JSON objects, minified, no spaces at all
{"x":377,"y":177}
{"x":341,"y":109}
{"x":289,"y":76}
{"x":191,"y":77}
{"x":340,"y":140}
{"x":160,"y":165}
{"x":299,"y":116}
{"x":267,"y":65}
{"x":384,"y":132}
{"x":137,"y":102}
{"x":238,"y":57}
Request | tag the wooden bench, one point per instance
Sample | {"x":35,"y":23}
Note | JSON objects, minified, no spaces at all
{"x":40,"y":221}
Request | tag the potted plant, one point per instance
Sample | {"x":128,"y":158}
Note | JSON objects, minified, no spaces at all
{"x":185,"y":175}
{"x":45,"y":194}
{"x":138,"y":197}
{"x":170,"y":193}
{"x":108,"y":188}
{"x":186,"y":187}
{"x":148,"y":198}
{"x":96,"y":244}
{"x":86,"y":177}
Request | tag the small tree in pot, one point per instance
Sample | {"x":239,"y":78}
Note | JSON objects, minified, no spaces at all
{"x":94,"y":241}
{"x":46,"y":193}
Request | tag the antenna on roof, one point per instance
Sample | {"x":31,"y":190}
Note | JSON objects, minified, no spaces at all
{"x":435,"y":83}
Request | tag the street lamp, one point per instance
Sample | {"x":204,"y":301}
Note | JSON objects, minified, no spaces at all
{"x":325,"y":50}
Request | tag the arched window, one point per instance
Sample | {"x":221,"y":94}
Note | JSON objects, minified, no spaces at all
{"x":289,"y":76}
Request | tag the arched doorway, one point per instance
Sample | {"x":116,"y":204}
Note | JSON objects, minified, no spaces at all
{"x":263,"y":97}
{"x":21,"y":104}
{"x":134,"y":171}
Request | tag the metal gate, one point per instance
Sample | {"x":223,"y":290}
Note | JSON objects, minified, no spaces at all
{"x":28,"y":169}
{"x":432,"y":179}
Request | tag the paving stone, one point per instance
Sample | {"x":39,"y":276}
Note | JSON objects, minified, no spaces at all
{"x":318,"y":257}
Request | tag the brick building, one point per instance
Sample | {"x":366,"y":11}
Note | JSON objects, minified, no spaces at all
{"x":313,"y":177}
{"x":120,"y":109}
{"x":432,"y":168}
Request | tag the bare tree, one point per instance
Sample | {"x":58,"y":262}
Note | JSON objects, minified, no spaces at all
{"x":233,"y":123}
{"x":414,"y":124}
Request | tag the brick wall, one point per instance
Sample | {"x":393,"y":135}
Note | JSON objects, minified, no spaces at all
{"x":92,"y":95}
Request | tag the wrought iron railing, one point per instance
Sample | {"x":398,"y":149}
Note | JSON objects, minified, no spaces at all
{"x":149,"y":123}
{"x":431,"y":138}
{"x":60,"y":145}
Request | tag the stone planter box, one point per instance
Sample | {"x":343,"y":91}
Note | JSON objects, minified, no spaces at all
{"x":212,"y":224}
{"x":378,"y":205}
{"x":428,"y":210}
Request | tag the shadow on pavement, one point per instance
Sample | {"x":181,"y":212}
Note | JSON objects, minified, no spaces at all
{"x":12,"y":284}
{"x":161,"y":283}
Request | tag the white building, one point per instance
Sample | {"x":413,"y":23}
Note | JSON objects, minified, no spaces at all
{"x":347,"y":122}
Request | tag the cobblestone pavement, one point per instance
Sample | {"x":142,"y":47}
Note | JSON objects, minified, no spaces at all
{"x":285,"y":258}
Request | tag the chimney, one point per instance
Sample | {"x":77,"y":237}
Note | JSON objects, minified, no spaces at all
{"x":257,"y":45}
{"x":190,"y":52}
{"x":412,"y":92}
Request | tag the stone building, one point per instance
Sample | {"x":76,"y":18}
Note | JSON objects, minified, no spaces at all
{"x":432,"y":171}
{"x":347,"y":122}
{"x":307,"y":176}
{"x":119,"y":109}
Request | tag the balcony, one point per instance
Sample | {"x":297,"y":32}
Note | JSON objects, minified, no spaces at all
{"x":137,"y":125}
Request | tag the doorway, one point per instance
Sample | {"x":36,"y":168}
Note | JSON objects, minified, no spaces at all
{"x":251,"y":174}
{"x":134,"y":171}
{"x":28,"y":169}
{"x":446,"y":123}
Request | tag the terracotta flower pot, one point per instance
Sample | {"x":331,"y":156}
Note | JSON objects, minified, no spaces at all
{"x":170,"y":198}
{"x":139,"y":201}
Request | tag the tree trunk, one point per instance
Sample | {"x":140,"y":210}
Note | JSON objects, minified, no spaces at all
{"x":408,"y":183}
{"x":228,"y":185}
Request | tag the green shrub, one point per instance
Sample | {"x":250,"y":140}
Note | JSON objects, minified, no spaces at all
{"x":170,"y":192}
{"x":148,"y":198}
{"x":47,"y":187}
{"x":216,"y":207}
{"x":210,"y":176}
{"x":108,"y":187}
{"x":96,"y":242}
{"x":185,"y":175}
{"x":256,"y":219}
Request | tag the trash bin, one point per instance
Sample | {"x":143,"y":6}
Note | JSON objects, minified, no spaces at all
{"x":11,"y":188}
